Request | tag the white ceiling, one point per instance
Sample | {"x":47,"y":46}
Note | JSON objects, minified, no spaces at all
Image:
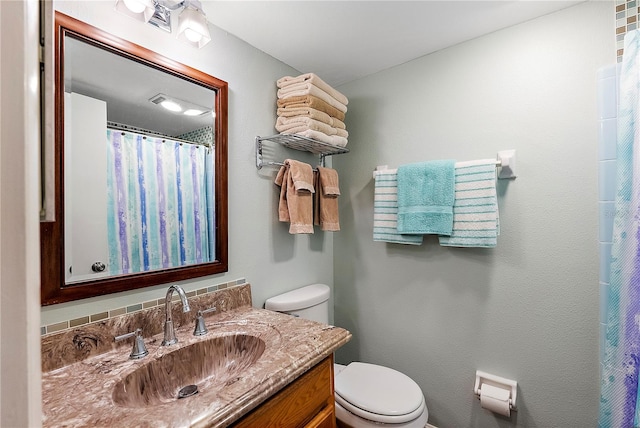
{"x":343,"y":40}
{"x":127,"y":86}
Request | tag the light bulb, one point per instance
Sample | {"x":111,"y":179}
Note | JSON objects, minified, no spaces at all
{"x":192,"y":36}
{"x":134,"y":6}
{"x":171,"y":106}
{"x":193,"y":112}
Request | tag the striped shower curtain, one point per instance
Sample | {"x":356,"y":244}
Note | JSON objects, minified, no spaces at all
{"x":621,"y":361}
{"x":159,"y":203}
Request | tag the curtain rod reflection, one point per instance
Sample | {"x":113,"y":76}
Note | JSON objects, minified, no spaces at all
{"x":128,"y":128}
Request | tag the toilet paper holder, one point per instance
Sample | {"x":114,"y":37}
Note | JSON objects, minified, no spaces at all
{"x":498,"y":382}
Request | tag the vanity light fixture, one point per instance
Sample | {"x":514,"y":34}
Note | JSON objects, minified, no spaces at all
{"x":142,"y":10}
{"x":193,"y":27}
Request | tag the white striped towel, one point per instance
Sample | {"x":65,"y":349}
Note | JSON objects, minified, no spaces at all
{"x":385,"y":210}
{"x":476,"y":222}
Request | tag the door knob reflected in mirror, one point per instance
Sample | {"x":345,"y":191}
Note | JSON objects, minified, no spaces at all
{"x":98,"y":267}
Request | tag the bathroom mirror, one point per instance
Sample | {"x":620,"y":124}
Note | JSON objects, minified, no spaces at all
{"x":140,"y":169}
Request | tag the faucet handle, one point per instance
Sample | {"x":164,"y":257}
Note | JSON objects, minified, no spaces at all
{"x":201,"y":328}
{"x":139,"y":349}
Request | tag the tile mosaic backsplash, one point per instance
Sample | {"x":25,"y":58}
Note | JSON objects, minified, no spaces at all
{"x":626,"y":20}
{"x":200,"y":136}
{"x":51,"y":328}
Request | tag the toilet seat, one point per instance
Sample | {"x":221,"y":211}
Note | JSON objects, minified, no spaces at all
{"x":378,"y":393}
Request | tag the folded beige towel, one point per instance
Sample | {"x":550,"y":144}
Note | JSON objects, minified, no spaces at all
{"x":326,"y":213}
{"x":296,"y":196}
{"x":337,"y":123}
{"x":301,"y":123}
{"x":315,"y":80}
{"x":342,"y":132}
{"x":334,"y":140}
{"x":311,"y":113}
{"x":300,"y":89}
{"x":313,"y":102}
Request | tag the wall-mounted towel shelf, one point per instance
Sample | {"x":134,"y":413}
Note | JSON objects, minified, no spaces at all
{"x":297,"y":142}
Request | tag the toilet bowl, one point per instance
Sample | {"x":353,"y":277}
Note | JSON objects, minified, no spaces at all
{"x":369,"y":395}
{"x":366,"y":395}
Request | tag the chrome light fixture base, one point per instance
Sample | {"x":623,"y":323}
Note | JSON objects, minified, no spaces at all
{"x":161,"y":18}
{"x":193,"y":27}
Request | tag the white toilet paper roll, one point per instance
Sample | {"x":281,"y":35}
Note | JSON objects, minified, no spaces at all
{"x":495,"y":399}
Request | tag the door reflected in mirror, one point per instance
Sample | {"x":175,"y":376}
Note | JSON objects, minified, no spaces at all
{"x":141,"y":169}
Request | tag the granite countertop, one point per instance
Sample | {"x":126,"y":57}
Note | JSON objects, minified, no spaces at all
{"x":82,"y":394}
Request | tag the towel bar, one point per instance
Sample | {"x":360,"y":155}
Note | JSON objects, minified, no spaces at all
{"x":281,"y":164}
{"x":505,"y":163}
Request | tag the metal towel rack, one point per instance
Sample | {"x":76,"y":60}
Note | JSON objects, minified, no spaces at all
{"x":505,"y":163}
{"x":297,"y":142}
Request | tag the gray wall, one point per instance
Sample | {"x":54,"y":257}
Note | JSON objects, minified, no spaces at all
{"x":260,"y":248}
{"x":528,"y":309}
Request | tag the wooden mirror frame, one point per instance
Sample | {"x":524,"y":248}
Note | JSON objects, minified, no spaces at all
{"x":53,"y":287}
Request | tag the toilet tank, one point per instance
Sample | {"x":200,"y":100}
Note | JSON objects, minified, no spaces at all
{"x":310,"y":302}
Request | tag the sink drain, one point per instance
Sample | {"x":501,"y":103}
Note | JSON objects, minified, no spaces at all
{"x":188,"y":391}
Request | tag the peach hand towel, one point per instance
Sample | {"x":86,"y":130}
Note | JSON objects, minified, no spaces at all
{"x":326,"y":213}
{"x":301,"y":175}
{"x":313,"y":102}
{"x":281,"y":180}
{"x":310,"y":89}
{"x":296,"y":196}
{"x":312,"y":78}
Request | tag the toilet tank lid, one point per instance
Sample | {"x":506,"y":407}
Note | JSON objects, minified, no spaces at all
{"x":300,"y":298}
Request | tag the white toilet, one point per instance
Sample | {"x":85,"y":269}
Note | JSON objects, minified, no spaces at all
{"x":367,"y":395}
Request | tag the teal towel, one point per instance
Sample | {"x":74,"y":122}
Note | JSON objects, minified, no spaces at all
{"x":426,"y":193}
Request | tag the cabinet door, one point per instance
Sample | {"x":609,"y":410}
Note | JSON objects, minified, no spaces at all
{"x":325,"y":419}
{"x":308,"y":400}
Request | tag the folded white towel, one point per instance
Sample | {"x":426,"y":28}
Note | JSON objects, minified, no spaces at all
{"x":306,"y":88}
{"x":334,"y":140}
{"x":314,"y":79}
{"x":385,"y":210}
{"x":476,"y":221}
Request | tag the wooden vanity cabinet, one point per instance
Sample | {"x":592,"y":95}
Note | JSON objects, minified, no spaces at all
{"x":307,"y":402}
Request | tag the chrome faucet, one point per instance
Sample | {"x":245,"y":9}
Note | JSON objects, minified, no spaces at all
{"x":139,"y":349}
{"x":169,"y":333}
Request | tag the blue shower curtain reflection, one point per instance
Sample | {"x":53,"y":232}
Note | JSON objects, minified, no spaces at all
{"x":159,"y":202}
